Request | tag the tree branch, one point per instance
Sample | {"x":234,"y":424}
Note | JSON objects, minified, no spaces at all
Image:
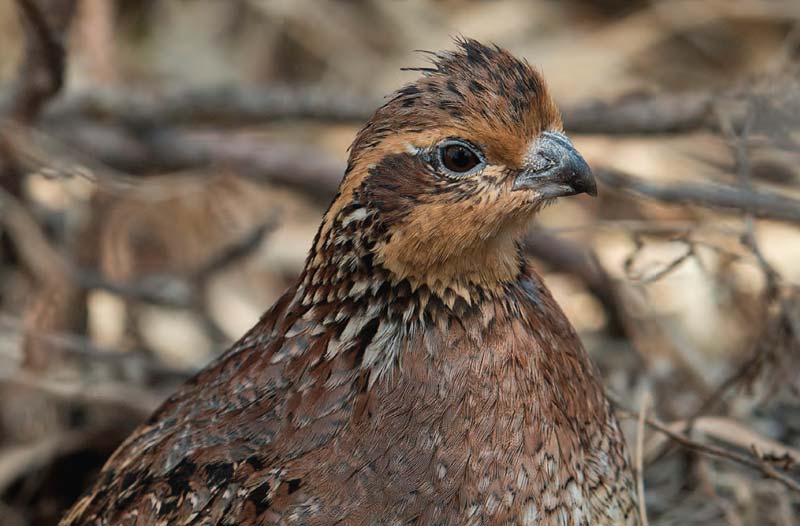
{"x":42,"y":72}
{"x":663,"y":113}
{"x":755,"y":461}
{"x":219,"y":105}
{"x":759,"y":203}
{"x":645,"y":114}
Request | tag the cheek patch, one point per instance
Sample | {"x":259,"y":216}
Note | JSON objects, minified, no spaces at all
{"x":394,"y":186}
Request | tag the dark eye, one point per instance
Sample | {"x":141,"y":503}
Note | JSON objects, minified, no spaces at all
{"x":458,"y":158}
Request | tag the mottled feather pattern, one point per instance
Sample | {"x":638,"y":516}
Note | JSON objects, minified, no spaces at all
{"x":419,"y":372}
{"x":221,"y":431}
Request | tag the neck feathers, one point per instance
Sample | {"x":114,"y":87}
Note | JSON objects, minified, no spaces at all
{"x":356,"y":260}
{"x":380,"y":232}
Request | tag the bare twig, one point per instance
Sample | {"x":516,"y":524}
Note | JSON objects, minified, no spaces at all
{"x":651,"y":114}
{"x":173,"y":291}
{"x":733,"y":432}
{"x":739,"y":148}
{"x":135,"y":398}
{"x":106,"y":154}
{"x":33,"y":248}
{"x":703,"y":471}
{"x":641,"y":278}
{"x":754,"y":461}
{"x":664,"y":113}
{"x":164,"y":290}
{"x":744,"y":371}
{"x":79,"y":346}
{"x":236,"y":251}
{"x":177,"y":291}
{"x":220,"y":105}
{"x":42,"y":73}
{"x":761,"y":203}
{"x":640,"y":430}
{"x":581,"y":262}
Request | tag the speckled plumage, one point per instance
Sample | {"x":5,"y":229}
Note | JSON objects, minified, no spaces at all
{"x":420,"y":372}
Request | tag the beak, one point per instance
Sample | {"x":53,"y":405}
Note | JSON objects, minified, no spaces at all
{"x":554,"y":168}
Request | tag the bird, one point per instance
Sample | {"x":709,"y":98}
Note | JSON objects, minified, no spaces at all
{"x":419,"y":371}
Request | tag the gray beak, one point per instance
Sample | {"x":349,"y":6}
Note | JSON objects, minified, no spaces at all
{"x":554,"y":168}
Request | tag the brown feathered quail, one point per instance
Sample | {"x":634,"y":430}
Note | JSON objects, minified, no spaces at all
{"x":419,"y":372}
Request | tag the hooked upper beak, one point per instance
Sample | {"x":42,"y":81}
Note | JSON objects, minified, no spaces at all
{"x":554,"y":168}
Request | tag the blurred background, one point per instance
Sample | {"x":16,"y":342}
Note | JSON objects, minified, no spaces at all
{"x":164,"y":166}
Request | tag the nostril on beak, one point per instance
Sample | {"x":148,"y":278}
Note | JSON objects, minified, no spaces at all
{"x":555,"y":168}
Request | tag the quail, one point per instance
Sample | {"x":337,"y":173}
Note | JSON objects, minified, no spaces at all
{"x":419,"y":371}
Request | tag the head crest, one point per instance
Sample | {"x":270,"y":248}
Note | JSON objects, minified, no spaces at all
{"x":473,"y":87}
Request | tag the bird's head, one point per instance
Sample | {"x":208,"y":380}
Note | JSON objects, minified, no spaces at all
{"x":445,"y":177}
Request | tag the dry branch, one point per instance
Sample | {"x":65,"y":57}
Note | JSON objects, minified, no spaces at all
{"x":760,"y":203}
{"x":107,"y":153}
{"x":644,"y":406}
{"x":165,"y":290}
{"x":139,"y":400}
{"x":226,"y":105}
{"x":581,"y":262}
{"x":42,"y":72}
{"x":665,"y":113}
{"x":755,"y":460}
{"x":81,"y":347}
{"x":33,"y":248}
{"x":178,"y":291}
{"x":219,"y":105}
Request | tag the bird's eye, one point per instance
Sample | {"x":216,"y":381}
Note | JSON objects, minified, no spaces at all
{"x":459,"y":158}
